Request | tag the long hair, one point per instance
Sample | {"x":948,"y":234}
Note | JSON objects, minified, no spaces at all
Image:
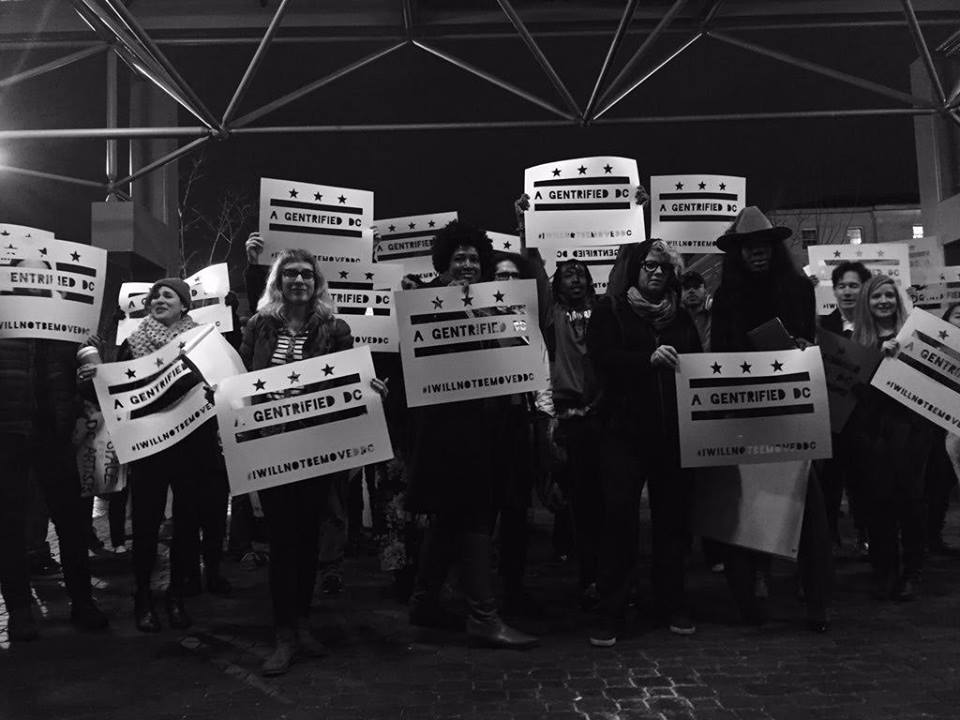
{"x":864,"y":324}
{"x":272,"y":302}
{"x":950,"y":308}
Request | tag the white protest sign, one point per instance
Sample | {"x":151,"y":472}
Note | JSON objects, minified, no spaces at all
{"x":940,"y":289}
{"x":926,"y":257}
{"x":462,"y":343}
{"x":152,"y":402}
{"x":301,"y":420}
{"x":582,"y":203}
{"x":208,"y":305}
{"x":925,"y":374}
{"x":845,"y":364}
{"x":752,"y":407}
{"x":599,"y":260}
{"x":408,"y":240}
{"x":504,"y":242}
{"x":364,"y":298}
{"x":689,"y":212}
{"x":50,"y":289}
{"x":331,"y":222}
{"x":891,"y":259}
{"x":16,"y":231}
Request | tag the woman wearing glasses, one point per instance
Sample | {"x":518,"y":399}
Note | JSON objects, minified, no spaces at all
{"x":634,"y":337}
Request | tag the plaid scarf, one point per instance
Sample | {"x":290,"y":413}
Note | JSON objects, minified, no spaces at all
{"x":152,"y":334}
{"x":658,"y":314}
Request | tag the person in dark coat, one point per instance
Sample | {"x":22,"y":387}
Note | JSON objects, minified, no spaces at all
{"x":634,"y":339}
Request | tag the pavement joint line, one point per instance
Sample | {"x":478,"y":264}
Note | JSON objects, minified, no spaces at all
{"x":194,"y":644}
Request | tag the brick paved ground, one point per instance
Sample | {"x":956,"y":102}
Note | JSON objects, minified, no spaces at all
{"x":879,"y":661}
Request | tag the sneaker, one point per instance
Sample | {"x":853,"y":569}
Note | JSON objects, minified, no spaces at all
{"x":248,"y":561}
{"x":605,"y":636}
{"x":120,"y":550}
{"x":46,"y":567}
{"x":682,"y":624}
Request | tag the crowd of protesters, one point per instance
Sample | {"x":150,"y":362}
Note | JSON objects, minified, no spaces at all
{"x":460,"y":488}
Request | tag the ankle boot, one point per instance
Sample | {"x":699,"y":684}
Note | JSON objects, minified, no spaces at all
{"x":176,"y":612}
{"x":143,"y":613}
{"x":486,"y":629}
{"x":283,"y":653}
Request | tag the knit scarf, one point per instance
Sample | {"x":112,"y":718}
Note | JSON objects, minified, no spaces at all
{"x":658,"y":314}
{"x":152,"y":334}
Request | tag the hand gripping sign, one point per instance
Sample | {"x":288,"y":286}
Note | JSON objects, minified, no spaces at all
{"x":152,"y":402}
{"x":925,"y":374}
{"x":408,"y":241}
{"x":463,"y":343}
{"x":301,"y":420}
{"x":331,"y":222}
{"x":891,"y":259}
{"x":364,"y":298}
{"x":208,"y":305}
{"x":582,"y":203}
{"x":689,"y":212}
{"x":752,"y":407}
{"x":50,"y":289}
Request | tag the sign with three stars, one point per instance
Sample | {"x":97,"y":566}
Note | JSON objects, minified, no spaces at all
{"x":846,"y":364}
{"x":891,"y":259}
{"x":926,"y":258}
{"x":468,"y":342}
{"x":502,"y":242}
{"x":363,"y":294}
{"x":689,"y":212}
{"x":925,"y":374}
{"x":301,"y":420}
{"x":8,"y":231}
{"x":582,"y":203}
{"x":939,"y":290}
{"x":752,"y":407}
{"x":408,"y":241}
{"x":208,"y":305}
{"x":152,"y":402}
{"x":49,"y":289}
{"x":331,"y":222}
{"x":599,"y":260}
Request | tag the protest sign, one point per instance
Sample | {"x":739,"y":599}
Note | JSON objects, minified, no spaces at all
{"x":845,"y":365}
{"x":463,"y":343}
{"x":208,"y":304}
{"x":152,"y":402}
{"x":599,"y":260}
{"x":408,"y":240}
{"x":301,"y":420}
{"x":50,"y":289}
{"x":364,"y":298}
{"x":581,"y":203}
{"x":891,"y":259}
{"x":8,"y":231}
{"x":689,"y":212}
{"x":752,"y":407}
{"x":331,"y":222}
{"x":926,"y":258}
{"x":940,"y":288}
{"x":504,"y":242}
{"x":925,"y":374}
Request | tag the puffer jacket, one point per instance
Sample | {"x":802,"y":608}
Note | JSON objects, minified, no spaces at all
{"x":38,"y":387}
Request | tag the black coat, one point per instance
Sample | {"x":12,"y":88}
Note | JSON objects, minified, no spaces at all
{"x":738,"y":310}
{"x":833,"y":323}
{"x":38,"y":387}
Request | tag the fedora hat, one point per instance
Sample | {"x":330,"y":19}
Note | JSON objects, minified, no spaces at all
{"x":751,"y":224}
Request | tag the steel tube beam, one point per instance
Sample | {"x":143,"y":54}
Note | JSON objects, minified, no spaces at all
{"x":52,"y":176}
{"x":103,"y":133}
{"x":52,"y":65}
{"x":255,"y":62}
{"x":538,"y":55}
{"x":711,"y":14}
{"x":621,"y":30}
{"x":307,"y":89}
{"x":164,"y":160}
{"x":408,"y":17}
{"x":494,"y":80}
{"x":112,"y":117}
{"x":924,"y":51}
{"x":859,"y":82}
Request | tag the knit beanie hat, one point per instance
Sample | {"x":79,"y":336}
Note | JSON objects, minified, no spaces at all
{"x":175,"y":284}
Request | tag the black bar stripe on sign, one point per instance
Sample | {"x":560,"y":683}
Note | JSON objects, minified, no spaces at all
{"x":170,"y":395}
{"x":316,"y":231}
{"x":734,"y":382}
{"x":204,"y":303}
{"x":407,"y":235}
{"x":698,"y":218}
{"x":142,"y":382}
{"x":362,"y":310}
{"x":302,"y":424}
{"x":77,"y":269}
{"x":77,"y":297}
{"x":583,"y":206}
{"x":300,"y":390}
{"x":387,"y":256}
{"x":477,"y":314}
{"x":697,"y":196}
{"x":872,"y":261}
{"x":604,"y":180}
{"x":345,"y":285}
{"x":930,"y":372}
{"x":469,"y":346}
{"x":938,"y":346}
{"x":774,"y":411}
{"x":32,"y":292}
{"x":316,"y":206}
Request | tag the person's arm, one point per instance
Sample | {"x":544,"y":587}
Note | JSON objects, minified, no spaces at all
{"x":249,"y":340}
{"x":254,"y":274}
{"x":341,"y":336}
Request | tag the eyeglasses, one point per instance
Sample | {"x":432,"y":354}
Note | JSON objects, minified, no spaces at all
{"x":507,"y":275}
{"x":651,"y":265}
{"x":291,"y":274}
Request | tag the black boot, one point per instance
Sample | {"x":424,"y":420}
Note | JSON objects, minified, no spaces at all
{"x":176,"y":612}
{"x":425,"y":607}
{"x":143,"y":612}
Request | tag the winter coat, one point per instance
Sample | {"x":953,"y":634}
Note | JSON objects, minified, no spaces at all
{"x":737,"y":311}
{"x":261,"y":333}
{"x":38,"y":387}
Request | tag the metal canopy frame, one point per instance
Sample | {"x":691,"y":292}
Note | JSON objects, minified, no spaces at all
{"x":120,"y":32}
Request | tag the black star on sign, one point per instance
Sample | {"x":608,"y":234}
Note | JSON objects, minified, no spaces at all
{"x":327,"y":370}
{"x":131,"y":373}
{"x":880,"y":253}
{"x":392,"y":228}
{"x":317,"y":196}
{"x":467,"y":300}
{"x":293,"y":193}
{"x":498,"y":296}
{"x":836,"y":253}
{"x":703,"y":186}
{"x":11,"y":246}
{"x":608,"y":169}
{"x":582,"y":170}
{"x":43,"y":251}
{"x":259,"y":385}
{"x":412,"y":225}
{"x":777,"y":366}
{"x":75,"y":256}
{"x":859,"y":253}
{"x":679,"y":186}
{"x":507,"y":245}
{"x":723,"y":186}
{"x":369,"y":276}
{"x":343,"y":274}
{"x":181,"y":346}
{"x":4,"y":233}
{"x":716,"y":367}
{"x":942,"y":334}
{"x":431,"y":223}
{"x":293,"y":377}
{"x":159,"y":362}
{"x":437,"y":303}
{"x":556,"y":172}
{"x":342,"y":199}
{"x":745,"y":367}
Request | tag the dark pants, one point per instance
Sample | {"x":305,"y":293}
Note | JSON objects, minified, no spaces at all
{"x":52,"y":460}
{"x":895,"y":522}
{"x":580,"y":481}
{"x":37,"y":522}
{"x":940,"y":482}
{"x":117,"y":516}
{"x":293,"y":514}
{"x":514,"y":534}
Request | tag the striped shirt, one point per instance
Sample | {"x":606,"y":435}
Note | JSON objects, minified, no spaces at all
{"x":289,"y":348}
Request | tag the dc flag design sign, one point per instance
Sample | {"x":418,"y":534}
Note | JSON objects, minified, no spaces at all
{"x":925,"y":375}
{"x":331,"y":222}
{"x":12,"y":231}
{"x":939,"y":289}
{"x":153,"y":402}
{"x":756,"y":407}
{"x":599,"y":260}
{"x":891,"y":259}
{"x":208,"y":304}
{"x":463,"y":343}
{"x":690,"y":212}
{"x":364,"y":298}
{"x":504,"y":242}
{"x":301,"y":420}
{"x":408,"y":241}
{"x":49,"y":289}
{"x":582,"y":203}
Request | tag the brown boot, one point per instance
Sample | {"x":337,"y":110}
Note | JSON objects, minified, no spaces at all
{"x":281,"y":658}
